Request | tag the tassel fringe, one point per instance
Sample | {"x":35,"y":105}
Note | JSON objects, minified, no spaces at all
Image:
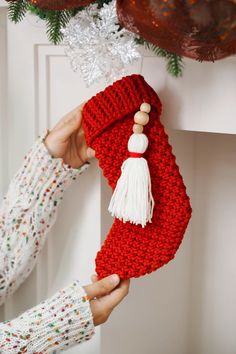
{"x":132,"y":199}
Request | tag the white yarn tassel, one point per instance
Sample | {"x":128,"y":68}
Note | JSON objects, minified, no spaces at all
{"x":132,"y":199}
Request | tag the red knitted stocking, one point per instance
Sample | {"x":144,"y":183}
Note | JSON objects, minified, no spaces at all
{"x":130,"y":250}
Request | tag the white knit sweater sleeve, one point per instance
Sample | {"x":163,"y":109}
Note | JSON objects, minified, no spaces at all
{"x":28,"y":212}
{"x":54,"y":325}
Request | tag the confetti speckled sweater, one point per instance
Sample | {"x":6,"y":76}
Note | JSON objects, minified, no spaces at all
{"x":27,"y":214}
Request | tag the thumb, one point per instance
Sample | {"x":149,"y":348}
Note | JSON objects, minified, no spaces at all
{"x":65,"y":130}
{"x":102,"y":287}
{"x":90,"y":153}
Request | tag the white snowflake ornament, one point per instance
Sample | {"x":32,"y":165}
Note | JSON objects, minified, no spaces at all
{"x":97,"y":45}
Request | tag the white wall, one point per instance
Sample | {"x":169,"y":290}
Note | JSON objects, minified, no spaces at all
{"x":212,"y":319}
{"x":3,"y":111}
{"x":3,"y":98}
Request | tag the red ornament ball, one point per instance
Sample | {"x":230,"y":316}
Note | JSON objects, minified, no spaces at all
{"x":60,"y":4}
{"x":198,"y":29}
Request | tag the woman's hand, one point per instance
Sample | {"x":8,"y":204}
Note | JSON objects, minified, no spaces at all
{"x":105,"y":295}
{"x":66,"y":140}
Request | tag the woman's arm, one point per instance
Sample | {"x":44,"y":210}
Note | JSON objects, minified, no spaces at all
{"x":30,"y":206}
{"x":66,"y":319}
{"x":56,"y":324}
{"x":27,"y":213}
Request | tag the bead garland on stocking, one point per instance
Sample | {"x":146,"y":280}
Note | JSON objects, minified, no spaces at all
{"x":132,"y":199}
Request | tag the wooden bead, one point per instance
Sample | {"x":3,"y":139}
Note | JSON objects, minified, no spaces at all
{"x":141,"y":118}
{"x":145,"y":107}
{"x":137,"y":128}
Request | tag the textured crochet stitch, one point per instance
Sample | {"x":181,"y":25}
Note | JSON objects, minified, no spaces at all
{"x":130,"y":250}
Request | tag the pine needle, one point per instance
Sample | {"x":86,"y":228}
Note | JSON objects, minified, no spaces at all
{"x":17,"y":10}
{"x":159,"y":52}
{"x":175,"y":64}
{"x":55,"y":21}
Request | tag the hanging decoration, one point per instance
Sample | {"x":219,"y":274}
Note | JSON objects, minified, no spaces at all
{"x":201,"y":30}
{"x":97,"y":45}
{"x":60,"y":4}
{"x":57,"y":20}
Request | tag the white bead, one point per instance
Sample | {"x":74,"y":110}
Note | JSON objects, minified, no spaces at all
{"x":141,"y":118}
{"x":138,"y":143}
{"x":145,"y":107}
{"x":137,"y":128}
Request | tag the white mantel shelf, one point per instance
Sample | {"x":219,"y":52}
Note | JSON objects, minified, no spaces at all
{"x":203,"y":100}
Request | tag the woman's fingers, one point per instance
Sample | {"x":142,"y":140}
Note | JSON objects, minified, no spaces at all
{"x":69,"y":124}
{"x":77,"y":112}
{"x":67,"y":128}
{"x":67,"y":140}
{"x":58,"y":138}
{"x":116,"y":296}
{"x":90,"y":153}
{"x":94,"y":278}
{"x":85,"y":152}
{"x":105,"y":295}
{"x":102,"y":287}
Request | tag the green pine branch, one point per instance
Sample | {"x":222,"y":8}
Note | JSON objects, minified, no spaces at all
{"x":174,"y":65}
{"x":37,"y":12}
{"x":55,"y":21}
{"x":17,"y":10}
{"x":159,"y":52}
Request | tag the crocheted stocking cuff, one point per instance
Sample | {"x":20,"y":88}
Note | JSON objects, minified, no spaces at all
{"x":117,"y":101}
